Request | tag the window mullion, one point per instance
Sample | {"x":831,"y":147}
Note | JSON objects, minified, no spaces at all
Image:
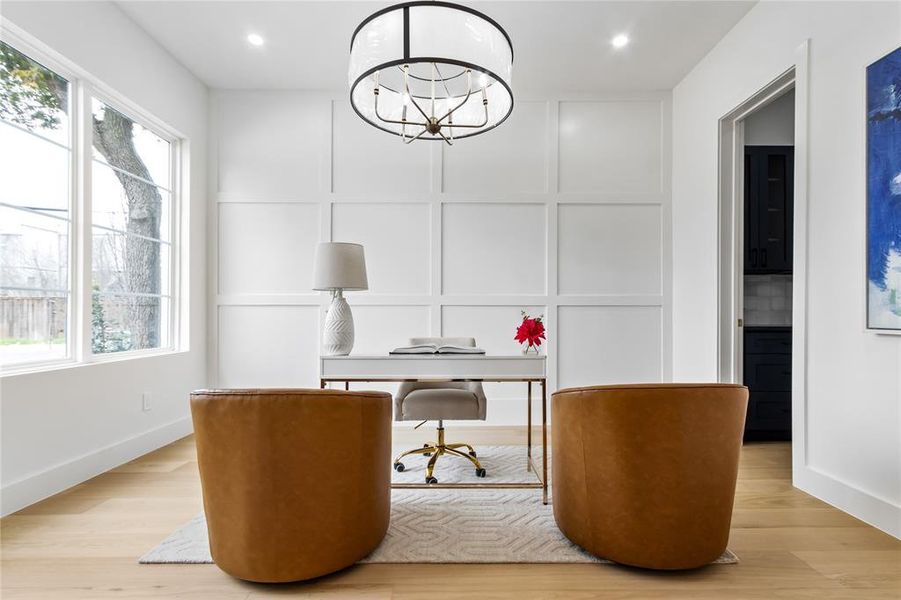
{"x":176,"y":310}
{"x":83,"y":230}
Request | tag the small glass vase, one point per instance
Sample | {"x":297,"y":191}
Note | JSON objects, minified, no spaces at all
{"x":530,"y":350}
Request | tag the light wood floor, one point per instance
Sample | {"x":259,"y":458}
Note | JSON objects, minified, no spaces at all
{"x":84,"y":543}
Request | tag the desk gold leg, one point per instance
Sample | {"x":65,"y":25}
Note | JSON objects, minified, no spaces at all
{"x":544,"y":439}
{"x":529,"y":428}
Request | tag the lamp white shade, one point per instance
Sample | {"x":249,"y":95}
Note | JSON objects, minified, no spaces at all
{"x":339,"y":266}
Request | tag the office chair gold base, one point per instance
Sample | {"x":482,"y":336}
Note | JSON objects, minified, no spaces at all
{"x":438,"y":449}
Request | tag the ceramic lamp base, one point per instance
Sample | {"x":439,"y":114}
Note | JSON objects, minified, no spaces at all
{"x":338,"y":332}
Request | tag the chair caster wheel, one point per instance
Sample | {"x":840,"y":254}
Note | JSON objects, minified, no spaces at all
{"x":431,"y":480}
{"x":481,"y":473}
{"x":473,"y":454}
{"x":426,"y":453}
{"x":399,"y":467}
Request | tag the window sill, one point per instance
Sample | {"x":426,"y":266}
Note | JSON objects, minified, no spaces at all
{"x":100,"y":359}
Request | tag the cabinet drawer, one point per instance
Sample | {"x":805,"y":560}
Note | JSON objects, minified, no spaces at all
{"x":768,"y":342}
{"x":768,"y":372}
{"x":769,"y":411}
{"x":774,"y":411}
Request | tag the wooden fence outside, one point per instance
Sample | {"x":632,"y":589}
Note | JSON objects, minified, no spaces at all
{"x":34,"y":319}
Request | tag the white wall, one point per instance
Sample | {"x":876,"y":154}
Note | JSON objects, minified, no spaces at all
{"x":64,"y":426}
{"x":772,"y":125}
{"x":852,"y":456}
{"x":563,"y":210}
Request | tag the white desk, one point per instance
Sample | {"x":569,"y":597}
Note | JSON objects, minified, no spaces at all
{"x":452,"y":367}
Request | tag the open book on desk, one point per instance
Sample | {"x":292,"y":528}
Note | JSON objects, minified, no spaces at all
{"x":436,"y":349}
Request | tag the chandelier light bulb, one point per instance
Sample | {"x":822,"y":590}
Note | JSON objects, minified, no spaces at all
{"x":255,"y":39}
{"x":620,"y":41}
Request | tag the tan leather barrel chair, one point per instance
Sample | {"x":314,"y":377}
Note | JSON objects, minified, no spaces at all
{"x":644,"y":475}
{"x":296,"y":483}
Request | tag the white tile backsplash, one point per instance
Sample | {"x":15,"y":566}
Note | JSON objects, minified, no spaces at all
{"x":768,"y":300}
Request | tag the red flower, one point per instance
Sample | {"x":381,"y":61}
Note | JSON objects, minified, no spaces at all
{"x":531,"y":331}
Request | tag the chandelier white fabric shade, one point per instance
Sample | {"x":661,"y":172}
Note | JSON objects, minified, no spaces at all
{"x":431,"y":70}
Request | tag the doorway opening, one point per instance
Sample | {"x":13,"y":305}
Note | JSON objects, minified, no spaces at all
{"x":762,"y":256}
{"x":766,"y":279}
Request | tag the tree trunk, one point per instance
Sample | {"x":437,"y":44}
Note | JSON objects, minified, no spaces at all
{"x":113,"y":139}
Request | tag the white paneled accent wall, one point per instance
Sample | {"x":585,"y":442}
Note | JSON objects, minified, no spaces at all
{"x":270,"y":247}
{"x":267,"y":346}
{"x":404,"y":226}
{"x":562,"y":211}
{"x":609,"y":249}
{"x":494,"y":248}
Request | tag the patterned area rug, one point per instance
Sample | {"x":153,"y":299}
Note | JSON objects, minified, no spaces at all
{"x":445,"y":526}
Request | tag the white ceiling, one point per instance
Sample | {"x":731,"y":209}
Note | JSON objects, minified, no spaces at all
{"x":558,"y":45}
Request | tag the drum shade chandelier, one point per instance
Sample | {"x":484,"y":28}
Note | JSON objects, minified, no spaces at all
{"x":431,"y":71}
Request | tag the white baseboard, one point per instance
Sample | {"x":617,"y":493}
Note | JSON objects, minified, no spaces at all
{"x":870,"y":509}
{"x":28,"y":490}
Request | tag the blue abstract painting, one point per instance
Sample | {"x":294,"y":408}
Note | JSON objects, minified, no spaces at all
{"x":884,"y":192}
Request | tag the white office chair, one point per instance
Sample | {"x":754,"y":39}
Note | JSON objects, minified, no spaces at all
{"x":440,"y":400}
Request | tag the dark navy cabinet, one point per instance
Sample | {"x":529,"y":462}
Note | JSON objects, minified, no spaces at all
{"x":768,"y":375}
{"x":769,"y":194}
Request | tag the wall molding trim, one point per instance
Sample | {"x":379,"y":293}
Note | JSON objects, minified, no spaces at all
{"x":529,"y":198}
{"x":38,"y":486}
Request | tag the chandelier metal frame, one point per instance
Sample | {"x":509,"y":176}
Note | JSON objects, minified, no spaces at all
{"x":431,"y":122}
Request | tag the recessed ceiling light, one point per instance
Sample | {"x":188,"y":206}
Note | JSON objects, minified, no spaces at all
{"x":620,"y":40}
{"x":255,"y":39}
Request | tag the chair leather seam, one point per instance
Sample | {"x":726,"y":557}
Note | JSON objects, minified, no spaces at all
{"x":263,"y":391}
{"x":616,"y":388}
{"x":585,"y":467}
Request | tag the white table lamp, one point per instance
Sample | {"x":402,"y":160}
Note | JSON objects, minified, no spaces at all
{"x":339,"y":266}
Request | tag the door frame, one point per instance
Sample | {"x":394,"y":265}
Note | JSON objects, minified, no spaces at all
{"x":730,"y":232}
